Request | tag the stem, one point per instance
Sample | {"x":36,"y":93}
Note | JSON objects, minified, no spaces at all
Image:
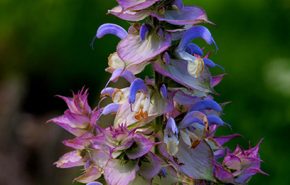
{"x":158,"y":121}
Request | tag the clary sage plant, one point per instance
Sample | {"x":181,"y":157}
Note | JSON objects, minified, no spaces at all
{"x":164,"y":127}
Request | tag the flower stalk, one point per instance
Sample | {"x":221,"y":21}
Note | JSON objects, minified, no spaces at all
{"x":164,"y":128}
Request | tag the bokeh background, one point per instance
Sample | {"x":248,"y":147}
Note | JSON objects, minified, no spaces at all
{"x":44,"y":50}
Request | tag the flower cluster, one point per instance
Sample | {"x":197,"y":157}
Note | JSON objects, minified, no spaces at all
{"x":164,"y":126}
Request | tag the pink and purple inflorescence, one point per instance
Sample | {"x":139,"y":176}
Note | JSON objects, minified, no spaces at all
{"x":164,"y":127}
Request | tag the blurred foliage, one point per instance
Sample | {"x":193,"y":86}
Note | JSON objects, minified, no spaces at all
{"x":46,"y":42}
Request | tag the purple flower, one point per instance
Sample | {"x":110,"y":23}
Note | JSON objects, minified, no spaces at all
{"x":136,"y":4}
{"x":79,"y":118}
{"x":238,"y":167}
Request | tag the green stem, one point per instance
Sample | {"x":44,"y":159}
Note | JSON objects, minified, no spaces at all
{"x":158,"y":121}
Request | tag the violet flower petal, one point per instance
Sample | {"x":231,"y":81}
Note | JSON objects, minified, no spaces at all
{"x":94,"y":183}
{"x":171,"y":136}
{"x":197,"y":163}
{"x":92,"y":173}
{"x":112,"y":29}
{"x":192,"y":49}
{"x":127,"y":75}
{"x":151,"y":167}
{"x":129,"y":15}
{"x":135,"y":51}
{"x":115,"y":62}
{"x":194,"y":33}
{"x":118,"y":173}
{"x":141,"y":147}
{"x":177,"y":70}
{"x":221,"y":140}
{"x":178,"y":4}
{"x":136,"y":86}
{"x":222,"y":174}
{"x":188,"y":15}
{"x":71,"y":159}
{"x":216,"y":80}
{"x":206,"y":105}
{"x":211,"y":64}
{"x":163,"y":91}
{"x":136,"y":4}
{"x":143,"y":31}
{"x":215,"y":120}
{"x":110,"y":108}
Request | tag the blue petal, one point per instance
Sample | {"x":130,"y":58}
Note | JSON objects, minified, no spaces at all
{"x":163,"y":91}
{"x":192,"y":49}
{"x":136,"y":86}
{"x":178,"y":4}
{"x":194,"y":33}
{"x":206,"y":104}
{"x":215,"y":120}
{"x":108,"y":91}
{"x":166,"y":58}
{"x":111,"y":108}
{"x":143,"y":31}
{"x":211,"y":64}
{"x":113,"y":29}
{"x":190,"y":118}
{"x":171,"y":126}
{"x":109,"y":28}
{"x":122,"y":73}
{"x":94,"y":183}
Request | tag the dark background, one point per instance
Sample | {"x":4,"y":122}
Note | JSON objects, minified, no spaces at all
{"x":44,"y":50}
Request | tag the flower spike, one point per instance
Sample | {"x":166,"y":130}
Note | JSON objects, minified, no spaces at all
{"x":163,"y":129}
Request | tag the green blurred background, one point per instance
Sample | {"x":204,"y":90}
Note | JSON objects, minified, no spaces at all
{"x":44,"y":50}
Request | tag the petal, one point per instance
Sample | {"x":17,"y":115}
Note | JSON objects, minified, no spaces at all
{"x":79,"y":143}
{"x":178,"y":4}
{"x":163,"y":91}
{"x":73,"y":123}
{"x":221,"y":140}
{"x":232,"y":162}
{"x":177,"y":70}
{"x":115,"y":62}
{"x":150,"y":167}
{"x":193,"y":117}
{"x":222,"y":174}
{"x":92,"y":173}
{"x":71,"y":159}
{"x":108,"y":91}
{"x":197,"y":163}
{"x":121,"y":73}
{"x":111,"y":108}
{"x":78,"y":104}
{"x":141,"y":147}
{"x":194,"y":33}
{"x":211,"y":64}
{"x":129,"y":15}
{"x":135,"y":51}
{"x":188,"y":15}
{"x":112,"y":29}
{"x":136,"y":4}
{"x":94,"y":183}
{"x":171,"y":136}
{"x":206,"y":105}
{"x":120,"y":173}
{"x":192,"y":49}
{"x":143,"y":31}
{"x":171,"y":126}
{"x":216,"y":80}
{"x":136,"y":86}
{"x":247,"y":174}
{"x":215,"y":120}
